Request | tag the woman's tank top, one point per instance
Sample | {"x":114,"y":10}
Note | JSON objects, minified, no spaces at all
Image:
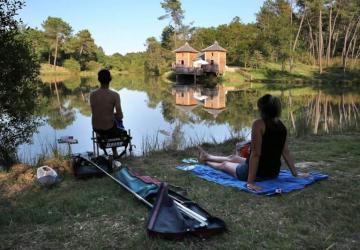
{"x":273,"y":141}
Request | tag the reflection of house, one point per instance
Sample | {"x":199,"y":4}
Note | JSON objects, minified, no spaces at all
{"x":188,"y":97}
{"x":216,"y":100}
{"x":184,"y":96}
{"x":190,"y":62}
{"x":214,"y":112}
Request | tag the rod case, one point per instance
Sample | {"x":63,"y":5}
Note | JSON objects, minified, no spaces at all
{"x":84,"y":169}
{"x":166,"y":221}
{"x":172,"y":215}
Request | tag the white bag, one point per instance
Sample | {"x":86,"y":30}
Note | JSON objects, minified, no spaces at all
{"x":46,"y":176}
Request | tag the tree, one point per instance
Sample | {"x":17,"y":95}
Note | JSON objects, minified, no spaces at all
{"x":167,"y":35}
{"x":38,"y":41}
{"x":8,"y":11}
{"x":157,"y":58}
{"x":173,"y":11}
{"x":82,"y":47}
{"x":18,"y":84}
{"x":56,"y":31}
{"x":273,"y":20}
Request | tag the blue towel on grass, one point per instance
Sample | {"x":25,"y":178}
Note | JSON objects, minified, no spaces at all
{"x":284,"y":183}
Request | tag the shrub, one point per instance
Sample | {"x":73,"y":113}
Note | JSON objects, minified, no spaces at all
{"x":93,"y":66}
{"x":72,"y":65}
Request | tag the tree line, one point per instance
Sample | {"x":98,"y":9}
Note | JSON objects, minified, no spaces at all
{"x":56,"y":44}
{"x":323,"y":33}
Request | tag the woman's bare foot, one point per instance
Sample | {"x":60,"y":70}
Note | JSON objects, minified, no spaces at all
{"x":203,"y":155}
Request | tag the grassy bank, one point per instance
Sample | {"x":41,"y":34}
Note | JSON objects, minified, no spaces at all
{"x":98,"y":214}
{"x":48,"y":70}
{"x":301,"y":73}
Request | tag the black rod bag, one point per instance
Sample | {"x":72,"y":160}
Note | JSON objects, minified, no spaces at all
{"x":166,"y":221}
{"x":83,"y":169}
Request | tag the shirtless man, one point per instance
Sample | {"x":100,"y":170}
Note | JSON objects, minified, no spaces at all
{"x":103,"y":101}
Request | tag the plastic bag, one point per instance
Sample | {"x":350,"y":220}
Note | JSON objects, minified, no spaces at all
{"x":46,"y":176}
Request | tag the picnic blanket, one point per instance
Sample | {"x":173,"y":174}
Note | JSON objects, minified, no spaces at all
{"x":284,"y":183}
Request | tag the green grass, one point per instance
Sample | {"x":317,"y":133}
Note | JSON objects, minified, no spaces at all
{"x":233,"y":79}
{"x":301,"y":73}
{"x":98,"y":214}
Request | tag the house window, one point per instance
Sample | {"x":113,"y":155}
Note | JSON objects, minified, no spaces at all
{"x":212,"y":54}
{"x":182,"y":62}
{"x":212,"y":62}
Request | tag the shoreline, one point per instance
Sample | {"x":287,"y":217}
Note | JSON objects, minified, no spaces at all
{"x":270,"y":73}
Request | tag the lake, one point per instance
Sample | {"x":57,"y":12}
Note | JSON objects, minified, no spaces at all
{"x":162,"y":114}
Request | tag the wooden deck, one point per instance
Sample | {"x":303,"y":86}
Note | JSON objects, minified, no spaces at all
{"x":181,"y":70}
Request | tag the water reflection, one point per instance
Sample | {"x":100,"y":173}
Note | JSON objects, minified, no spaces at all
{"x":322,"y":113}
{"x":178,"y":114}
{"x":212,"y":100}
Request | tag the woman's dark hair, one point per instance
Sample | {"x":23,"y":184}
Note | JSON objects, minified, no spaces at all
{"x":104,"y":76}
{"x":269,"y":107}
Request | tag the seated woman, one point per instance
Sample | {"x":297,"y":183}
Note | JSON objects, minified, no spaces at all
{"x":268,"y":144}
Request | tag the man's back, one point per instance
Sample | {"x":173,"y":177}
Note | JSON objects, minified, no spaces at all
{"x":103,"y":101}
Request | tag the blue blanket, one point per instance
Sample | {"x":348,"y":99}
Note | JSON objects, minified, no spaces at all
{"x":284,"y":183}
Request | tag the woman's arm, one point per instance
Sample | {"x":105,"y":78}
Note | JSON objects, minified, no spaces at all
{"x":256,"y":141}
{"x":289,"y":159}
{"x":290,"y":162}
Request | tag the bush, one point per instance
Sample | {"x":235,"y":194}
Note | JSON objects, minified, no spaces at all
{"x":18,"y":95}
{"x":72,"y":65}
{"x":257,"y":59}
{"x":93,"y":66}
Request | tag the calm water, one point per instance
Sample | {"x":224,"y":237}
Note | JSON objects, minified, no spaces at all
{"x":163,"y":114}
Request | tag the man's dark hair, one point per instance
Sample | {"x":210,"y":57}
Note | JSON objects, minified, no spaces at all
{"x":269,"y":106}
{"x":104,"y":77}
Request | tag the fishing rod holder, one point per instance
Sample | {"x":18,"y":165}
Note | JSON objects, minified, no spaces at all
{"x":69,"y":140}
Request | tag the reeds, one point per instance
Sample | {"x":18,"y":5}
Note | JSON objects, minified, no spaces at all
{"x":49,"y":148}
{"x":178,"y":141}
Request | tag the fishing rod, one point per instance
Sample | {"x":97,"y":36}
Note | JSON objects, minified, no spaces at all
{"x":202,"y":220}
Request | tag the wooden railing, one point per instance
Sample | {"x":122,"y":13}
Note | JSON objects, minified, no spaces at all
{"x":187,"y":70}
{"x":181,"y":69}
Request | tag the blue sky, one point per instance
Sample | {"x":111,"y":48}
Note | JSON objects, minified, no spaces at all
{"x":123,"y":26}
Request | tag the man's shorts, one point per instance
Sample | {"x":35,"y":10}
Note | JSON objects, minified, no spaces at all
{"x":111,"y":133}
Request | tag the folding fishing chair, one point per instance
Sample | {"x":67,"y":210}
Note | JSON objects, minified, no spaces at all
{"x":104,"y":142}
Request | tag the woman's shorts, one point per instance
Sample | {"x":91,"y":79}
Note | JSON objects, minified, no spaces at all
{"x":242,"y":172}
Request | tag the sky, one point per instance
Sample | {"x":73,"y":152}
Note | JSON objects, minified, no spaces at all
{"x":124,"y":25}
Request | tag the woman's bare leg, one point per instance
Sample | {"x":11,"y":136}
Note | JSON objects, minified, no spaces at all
{"x":227,"y":167}
{"x":205,"y":156}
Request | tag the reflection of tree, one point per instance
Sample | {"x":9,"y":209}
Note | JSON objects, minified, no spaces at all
{"x":322,"y":113}
{"x":55,"y":105}
{"x":80,"y":97}
{"x":60,"y":116}
{"x":240,"y":109}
